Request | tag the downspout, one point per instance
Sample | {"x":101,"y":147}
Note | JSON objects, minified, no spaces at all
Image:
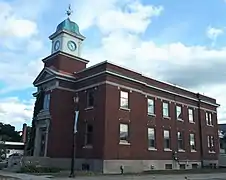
{"x":175,"y":151}
{"x":200,"y":127}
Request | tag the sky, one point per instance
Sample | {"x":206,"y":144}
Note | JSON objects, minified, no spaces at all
{"x":181,"y":42}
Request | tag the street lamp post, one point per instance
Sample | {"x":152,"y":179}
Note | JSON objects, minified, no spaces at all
{"x":76,"y":101}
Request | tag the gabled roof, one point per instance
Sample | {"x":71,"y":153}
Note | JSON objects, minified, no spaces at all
{"x":49,"y":73}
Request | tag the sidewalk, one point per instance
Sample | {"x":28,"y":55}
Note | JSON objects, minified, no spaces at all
{"x":220,"y":176}
{"x":211,"y":176}
{"x":24,"y":176}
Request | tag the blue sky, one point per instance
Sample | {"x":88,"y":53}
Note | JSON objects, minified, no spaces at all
{"x":182,"y":42}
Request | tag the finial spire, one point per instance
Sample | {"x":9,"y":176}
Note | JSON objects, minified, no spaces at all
{"x":69,"y":11}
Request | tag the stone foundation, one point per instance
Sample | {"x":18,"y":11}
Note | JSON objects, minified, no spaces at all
{"x":113,"y":166}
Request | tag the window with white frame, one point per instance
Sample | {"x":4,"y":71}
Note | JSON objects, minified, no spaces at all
{"x":46,"y":102}
{"x":191,"y":115}
{"x":209,"y":120}
{"x":192,"y":142}
{"x":166,"y":134}
{"x":165,"y":109}
{"x":210,"y":142}
{"x":124,"y":133}
{"x":124,"y":99}
{"x":179,"y":112}
{"x":180,"y":139}
{"x":151,"y":106}
{"x":151,"y":138}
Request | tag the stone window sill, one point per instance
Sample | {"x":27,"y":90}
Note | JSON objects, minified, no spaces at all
{"x":192,"y":122}
{"x":167,"y":149}
{"x":89,"y":108}
{"x":125,"y":109}
{"x":150,"y":114}
{"x":181,"y":150}
{"x":209,"y":125}
{"x":152,"y":149}
{"x":87,"y":147}
{"x":212,"y":152}
{"x":125,"y":143}
{"x":166,"y":117}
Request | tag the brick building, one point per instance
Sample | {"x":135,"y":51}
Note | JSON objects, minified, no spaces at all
{"x":126,"y":119}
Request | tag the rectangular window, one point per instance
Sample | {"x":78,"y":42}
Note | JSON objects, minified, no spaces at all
{"x":88,"y":135}
{"x":90,"y":98}
{"x":151,"y":106}
{"x":194,"y":166}
{"x":168,"y":166}
{"x":151,"y":138}
{"x":209,"y":119}
{"x":180,"y":139}
{"x":210,"y":142}
{"x":165,"y":109}
{"x":124,"y":133}
{"x":192,"y":142}
{"x":46,"y":102}
{"x":190,"y":115}
{"x":179,"y":112}
{"x":167,"y":139}
{"x":182,"y":166}
{"x":124,"y":99}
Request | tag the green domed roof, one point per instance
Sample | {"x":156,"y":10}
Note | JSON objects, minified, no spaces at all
{"x":69,"y":26}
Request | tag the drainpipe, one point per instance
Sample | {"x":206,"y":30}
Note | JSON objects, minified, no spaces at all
{"x":175,"y":152}
{"x":200,"y":127}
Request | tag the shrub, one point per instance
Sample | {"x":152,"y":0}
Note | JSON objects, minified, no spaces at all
{"x":35,"y":169}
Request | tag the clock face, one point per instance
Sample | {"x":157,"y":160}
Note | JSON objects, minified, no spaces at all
{"x":72,"y":45}
{"x":57,"y":45}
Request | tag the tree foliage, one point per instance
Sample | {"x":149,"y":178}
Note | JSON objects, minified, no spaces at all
{"x":8,"y":133}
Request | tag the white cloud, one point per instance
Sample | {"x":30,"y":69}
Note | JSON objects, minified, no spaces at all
{"x":13,"y":25}
{"x":20,"y":74}
{"x":121,"y":23}
{"x":108,"y":15}
{"x":34,"y":45}
{"x":213,"y":33}
{"x":154,"y":60}
{"x":20,"y":43}
{"x":13,"y":110}
{"x":135,"y":18}
{"x":121,"y":45}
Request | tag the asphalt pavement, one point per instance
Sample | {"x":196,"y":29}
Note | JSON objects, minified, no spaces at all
{"x":212,"y":176}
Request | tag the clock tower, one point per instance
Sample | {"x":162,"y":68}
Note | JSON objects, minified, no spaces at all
{"x":67,"y":38}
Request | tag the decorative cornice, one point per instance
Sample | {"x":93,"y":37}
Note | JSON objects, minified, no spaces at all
{"x":66,"y":78}
{"x":64,"y":54}
{"x":81,"y":37}
{"x":136,"y":81}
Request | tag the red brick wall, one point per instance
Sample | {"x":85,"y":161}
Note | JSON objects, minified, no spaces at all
{"x":64,"y":63}
{"x":106,"y":117}
{"x":61,"y":126}
{"x":139,"y":122}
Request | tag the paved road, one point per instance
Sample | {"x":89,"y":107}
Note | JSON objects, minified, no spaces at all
{"x":215,"y":176}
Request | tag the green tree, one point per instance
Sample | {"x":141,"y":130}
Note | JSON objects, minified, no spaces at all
{"x":8,"y":133}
